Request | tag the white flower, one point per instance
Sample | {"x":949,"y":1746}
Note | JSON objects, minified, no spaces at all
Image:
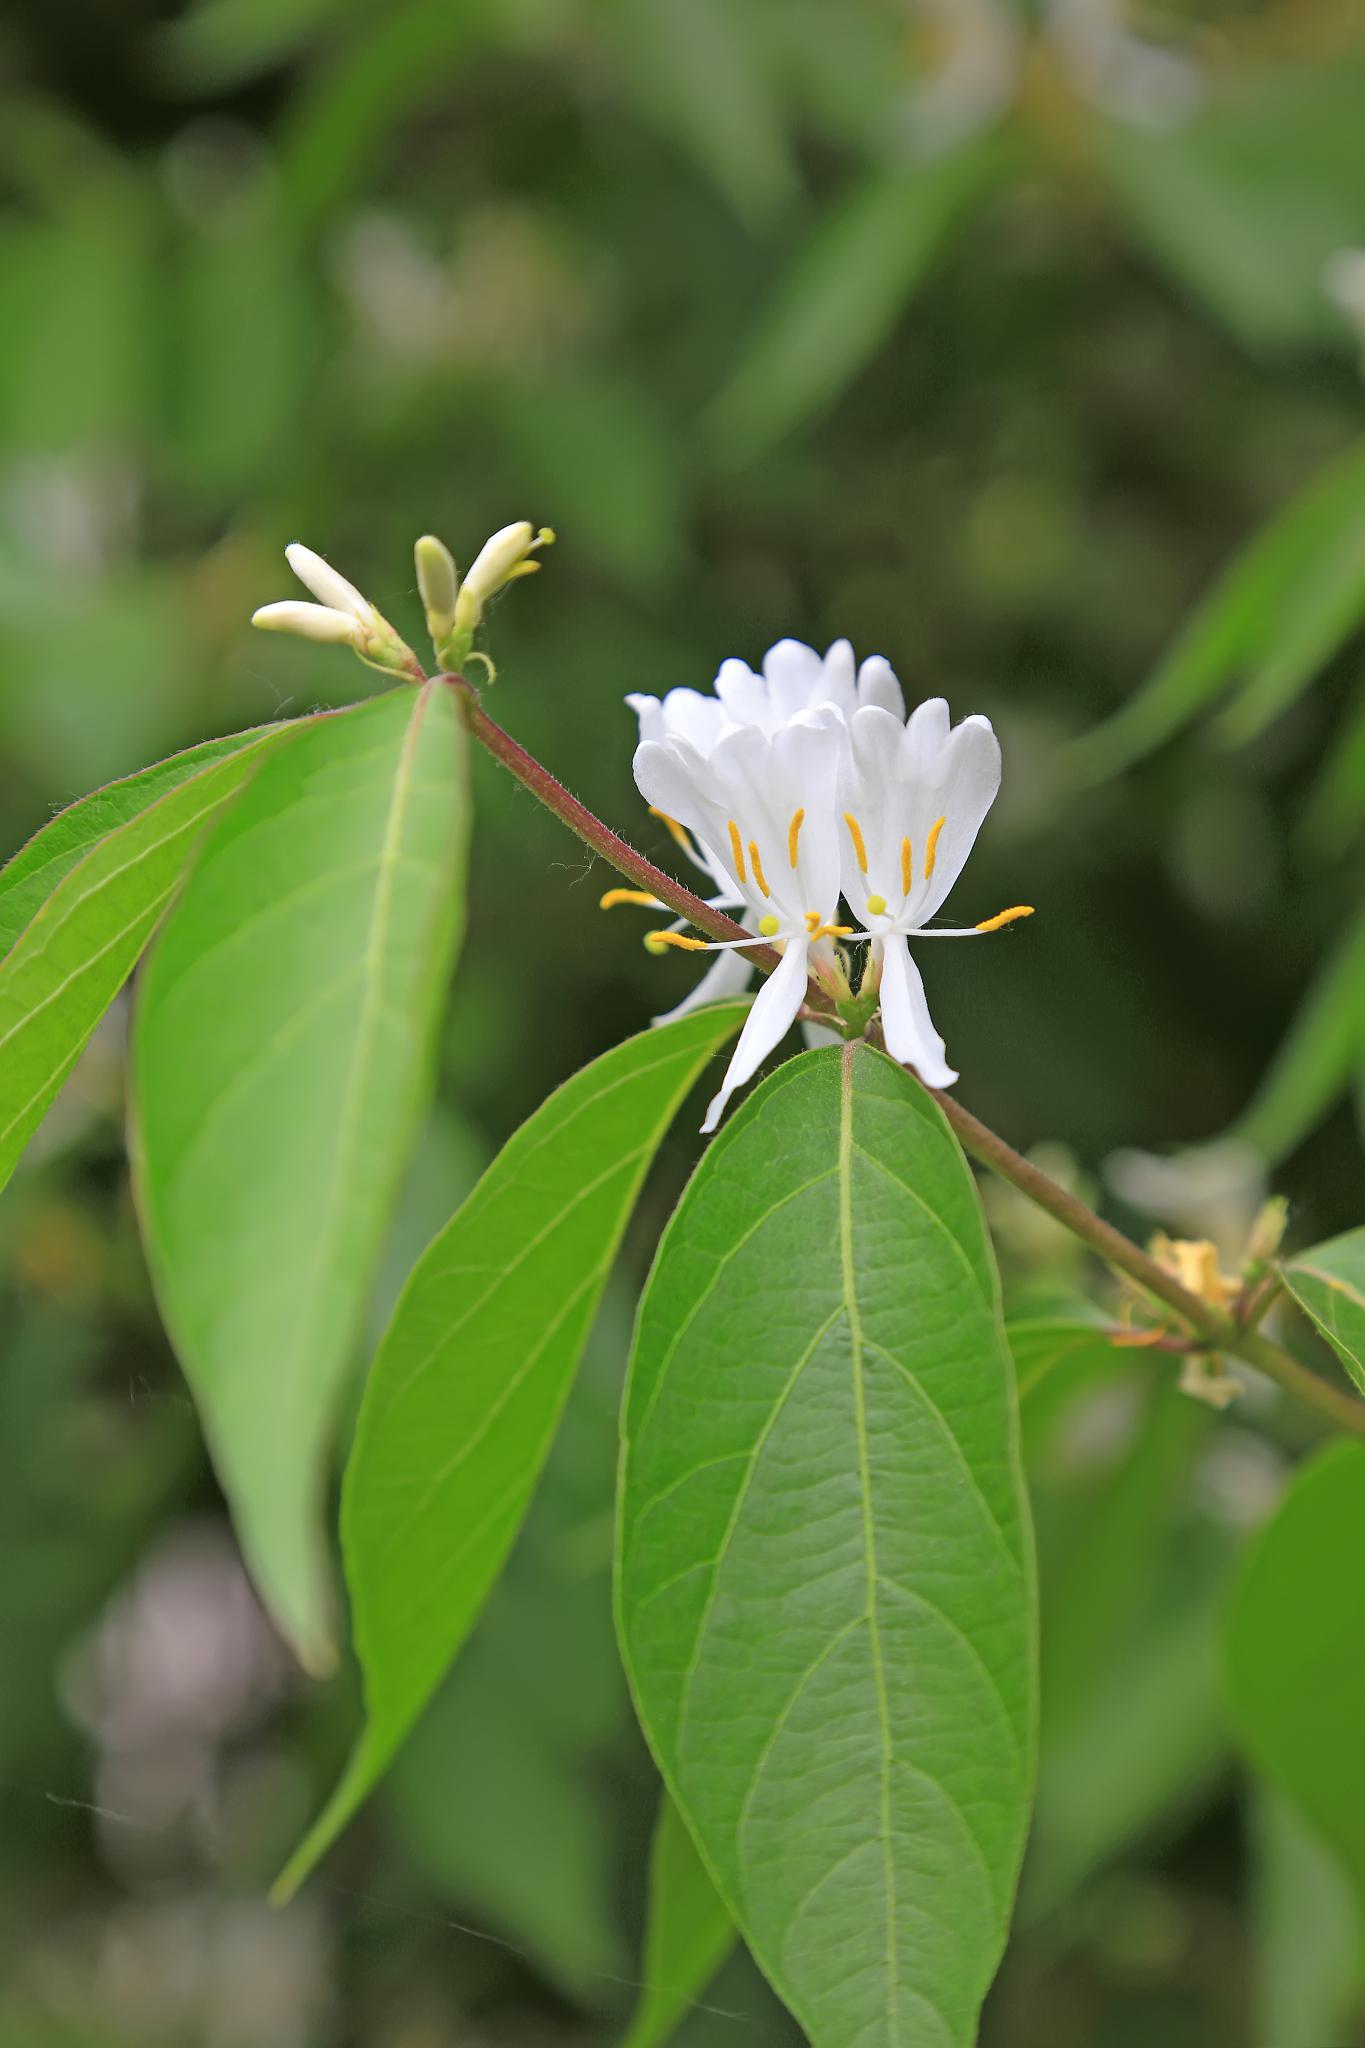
{"x":912,"y":800}
{"x":761,"y":806}
{"x":342,"y":616}
{"x":794,"y":679}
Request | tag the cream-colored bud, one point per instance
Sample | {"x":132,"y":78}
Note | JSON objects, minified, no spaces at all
{"x":326,"y":584}
{"x":496,"y":560}
{"x":309,"y":621}
{"x":439,"y":583}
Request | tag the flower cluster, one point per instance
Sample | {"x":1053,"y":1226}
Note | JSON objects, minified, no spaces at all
{"x":802,"y":784}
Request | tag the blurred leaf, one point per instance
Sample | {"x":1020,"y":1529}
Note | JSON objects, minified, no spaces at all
{"x":1147,"y":1751}
{"x":1335,"y":809}
{"x":1308,"y":1934}
{"x":842,"y":296}
{"x":480,"y":1357}
{"x":281,"y":1059}
{"x":1054,"y":1358}
{"x":395,"y":64}
{"x":688,"y":1937}
{"x":1324,"y":1047}
{"x":1328,"y":1283}
{"x":818,"y":1345}
{"x":218,"y":43}
{"x":69,"y":963}
{"x":1295,"y":1675}
{"x":30,"y":877}
{"x":1246,"y":201}
{"x":524,"y":1835}
{"x":702,"y":65}
{"x":1275,"y":616}
{"x":602,"y":461}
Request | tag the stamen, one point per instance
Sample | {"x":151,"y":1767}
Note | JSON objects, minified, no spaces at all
{"x":855,"y":833}
{"x":757,"y":866}
{"x":769,"y":927}
{"x":907,"y":867}
{"x":835,"y":931}
{"x":876,"y":906}
{"x":793,"y":834}
{"x":655,"y":942}
{"x":640,"y":896}
{"x":673,"y":826}
{"x":812,"y":922}
{"x":737,"y":851}
{"x":931,"y":846}
{"x":1004,"y":917}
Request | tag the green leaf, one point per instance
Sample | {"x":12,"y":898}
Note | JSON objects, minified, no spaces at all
{"x":281,"y":1059}
{"x":1276,"y":615}
{"x":1323,"y":1049}
{"x":1295,"y":1675}
{"x":1307,"y":1934}
{"x":467,"y":1389}
{"x":1328,"y":1283}
{"x":825,"y":1577}
{"x":688,"y":1936}
{"x":843,"y":294}
{"x":30,"y":877}
{"x":83,"y":937}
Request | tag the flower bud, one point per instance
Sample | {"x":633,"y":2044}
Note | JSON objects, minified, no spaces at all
{"x":439,"y":583}
{"x":326,"y":584}
{"x":309,"y":621}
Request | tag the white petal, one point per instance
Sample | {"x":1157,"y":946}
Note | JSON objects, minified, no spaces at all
{"x":326,"y":584}
{"x":963,"y":792}
{"x":775,"y":1007}
{"x":744,"y":695}
{"x":650,"y":713}
{"x":728,"y":975}
{"x":795,"y":676}
{"x":906,"y":1023}
{"x":309,"y":621}
{"x":878,"y":684}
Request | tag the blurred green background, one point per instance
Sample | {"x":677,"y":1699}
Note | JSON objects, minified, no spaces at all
{"x":982,"y":334}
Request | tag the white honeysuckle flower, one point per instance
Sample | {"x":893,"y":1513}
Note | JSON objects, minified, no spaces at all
{"x":761,"y":806}
{"x":342,"y":617}
{"x":794,"y":678}
{"x":912,"y":800}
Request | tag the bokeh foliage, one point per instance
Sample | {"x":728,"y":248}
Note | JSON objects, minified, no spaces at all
{"x":783,"y":338}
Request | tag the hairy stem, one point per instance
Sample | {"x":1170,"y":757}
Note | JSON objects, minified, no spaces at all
{"x":1210,"y":1328}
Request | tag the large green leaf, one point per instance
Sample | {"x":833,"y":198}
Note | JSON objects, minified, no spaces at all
{"x":466,"y":1391}
{"x":29,"y":879}
{"x":1309,"y":1975}
{"x":688,"y":1936}
{"x":1295,"y":1674}
{"x":82,"y":937}
{"x":280,"y":1061}
{"x":1275,"y":616}
{"x":1328,"y":1283}
{"x":825,"y":1576}
{"x":843,"y":293}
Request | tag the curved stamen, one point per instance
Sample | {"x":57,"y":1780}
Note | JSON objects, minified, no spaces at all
{"x":855,"y":833}
{"x":931,"y":846}
{"x":641,"y":896}
{"x":976,"y":931}
{"x":793,"y":834}
{"x":737,"y":852}
{"x":757,"y":866}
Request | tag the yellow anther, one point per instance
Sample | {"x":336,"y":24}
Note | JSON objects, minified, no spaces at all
{"x":812,"y":922}
{"x":640,"y":896}
{"x":756,"y":864}
{"x":655,"y":942}
{"x":876,"y":906}
{"x":907,"y":867}
{"x":673,"y":826}
{"x":793,"y":834}
{"x":737,"y":853}
{"x":769,"y":927}
{"x":1004,"y":917}
{"x":855,"y":833}
{"x":835,"y":931}
{"x":931,"y":846}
